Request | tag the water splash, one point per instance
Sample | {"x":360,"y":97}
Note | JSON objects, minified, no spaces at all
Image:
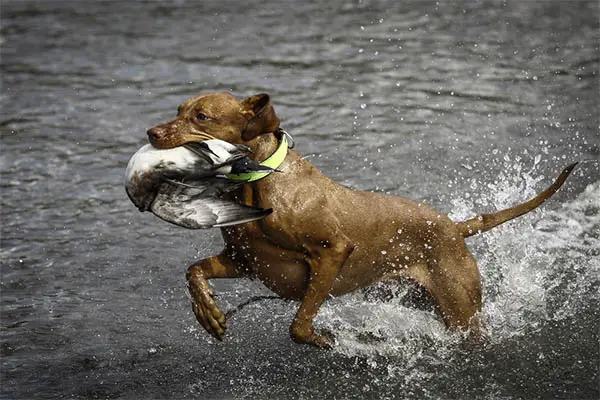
{"x":542,"y":267}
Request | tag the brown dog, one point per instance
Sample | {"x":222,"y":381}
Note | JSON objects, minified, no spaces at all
{"x":323,"y":239}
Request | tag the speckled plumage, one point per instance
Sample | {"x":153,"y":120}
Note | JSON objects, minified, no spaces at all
{"x":185,"y":185}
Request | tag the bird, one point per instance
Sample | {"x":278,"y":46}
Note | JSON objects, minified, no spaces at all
{"x":187,"y":185}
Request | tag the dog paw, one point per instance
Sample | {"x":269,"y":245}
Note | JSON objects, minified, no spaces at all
{"x":207,"y":313}
{"x":324,"y":339}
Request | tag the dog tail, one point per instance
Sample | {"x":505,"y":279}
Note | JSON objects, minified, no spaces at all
{"x":485,"y":222}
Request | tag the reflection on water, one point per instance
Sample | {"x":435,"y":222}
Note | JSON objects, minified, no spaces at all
{"x":468,"y":106}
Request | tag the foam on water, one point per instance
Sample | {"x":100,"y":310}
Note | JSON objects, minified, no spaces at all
{"x":540,"y":267}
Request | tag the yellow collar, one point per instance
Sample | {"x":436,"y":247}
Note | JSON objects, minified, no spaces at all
{"x":274,"y":161}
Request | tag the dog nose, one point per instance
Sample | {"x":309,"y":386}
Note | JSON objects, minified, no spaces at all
{"x":155,"y":134}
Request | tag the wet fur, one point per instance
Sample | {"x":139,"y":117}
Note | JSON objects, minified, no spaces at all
{"x":323,"y":239}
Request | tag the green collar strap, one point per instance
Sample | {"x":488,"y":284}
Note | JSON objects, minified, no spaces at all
{"x":274,"y":161}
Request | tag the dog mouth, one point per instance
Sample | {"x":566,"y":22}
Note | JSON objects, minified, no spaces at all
{"x":166,"y":143}
{"x":181,"y":140}
{"x":200,"y":136}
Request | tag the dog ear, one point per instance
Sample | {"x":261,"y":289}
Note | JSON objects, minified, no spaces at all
{"x":261,"y":116}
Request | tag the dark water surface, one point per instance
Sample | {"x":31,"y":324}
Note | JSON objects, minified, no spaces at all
{"x":467,"y":106}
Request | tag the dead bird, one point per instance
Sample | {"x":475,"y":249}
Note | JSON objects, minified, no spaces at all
{"x":188,"y":185}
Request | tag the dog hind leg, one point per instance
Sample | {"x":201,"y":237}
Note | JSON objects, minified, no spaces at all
{"x":455,"y":287}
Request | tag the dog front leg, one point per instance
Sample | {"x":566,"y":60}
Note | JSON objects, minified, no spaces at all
{"x":325,"y":262}
{"x":207,"y":313}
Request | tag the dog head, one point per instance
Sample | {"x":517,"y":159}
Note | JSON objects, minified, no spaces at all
{"x":217,"y":115}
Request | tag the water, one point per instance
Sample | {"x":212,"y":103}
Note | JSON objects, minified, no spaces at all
{"x":469,"y":107}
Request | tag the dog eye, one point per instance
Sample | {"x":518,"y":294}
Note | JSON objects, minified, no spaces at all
{"x":201,"y":117}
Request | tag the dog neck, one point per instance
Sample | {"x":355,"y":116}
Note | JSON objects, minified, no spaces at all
{"x":274,"y":161}
{"x":264,"y":145}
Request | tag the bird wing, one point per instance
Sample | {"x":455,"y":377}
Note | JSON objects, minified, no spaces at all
{"x":218,"y":152}
{"x":194,"y":207}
